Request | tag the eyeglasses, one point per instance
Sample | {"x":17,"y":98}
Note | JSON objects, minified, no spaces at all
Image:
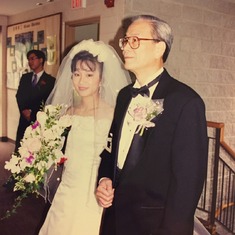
{"x":134,"y":41}
{"x":32,"y":58}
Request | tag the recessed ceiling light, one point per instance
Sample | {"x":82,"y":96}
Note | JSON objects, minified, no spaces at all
{"x":38,"y":4}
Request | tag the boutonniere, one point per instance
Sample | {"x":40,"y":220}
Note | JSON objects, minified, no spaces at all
{"x":144,"y":112}
{"x":43,"y":83}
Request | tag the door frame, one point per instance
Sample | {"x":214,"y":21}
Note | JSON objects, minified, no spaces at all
{"x":70,"y":30}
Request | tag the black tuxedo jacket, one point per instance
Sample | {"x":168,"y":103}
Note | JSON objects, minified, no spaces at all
{"x":29,"y":97}
{"x":158,"y":194}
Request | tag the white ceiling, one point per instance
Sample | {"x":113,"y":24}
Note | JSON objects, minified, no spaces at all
{"x":13,"y":7}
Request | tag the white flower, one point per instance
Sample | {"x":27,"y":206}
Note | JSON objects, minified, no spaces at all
{"x":51,"y":109}
{"x":41,"y":118}
{"x":30,"y":178}
{"x":14,"y":160}
{"x":33,"y":145}
{"x":28,"y":132}
{"x":56,"y":130}
{"x":23,"y":150}
{"x":15,"y":169}
{"x":65,"y":121}
{"x":23,"y":164}
{"x":40,"y":148}
{"x":49,"y":135}
{"x":41,"y":165}
{"x":143,"y":113}
{"x":12,"y":165}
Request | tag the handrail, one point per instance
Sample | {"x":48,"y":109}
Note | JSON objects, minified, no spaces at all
{"x":217,"y":199}
{"x":220,"y":126}
{"x":215,"y":124}
{"x":224,"y":206}
{"x":228,"y":149}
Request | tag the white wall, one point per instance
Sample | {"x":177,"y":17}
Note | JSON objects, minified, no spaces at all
{"x":110,"y":21}
{"x":203,"y":52}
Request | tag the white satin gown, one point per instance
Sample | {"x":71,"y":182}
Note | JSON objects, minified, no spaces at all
{"x":74,"y":210}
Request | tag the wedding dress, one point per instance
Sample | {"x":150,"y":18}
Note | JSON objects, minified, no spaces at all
{"x":74,"y":210}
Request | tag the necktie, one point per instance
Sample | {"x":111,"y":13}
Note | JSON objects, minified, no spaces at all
{"x":34,"y":81}
{"x":144,"y":90}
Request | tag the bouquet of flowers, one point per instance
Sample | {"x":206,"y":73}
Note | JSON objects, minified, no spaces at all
{"x":41,"y":148}
{"x":143,"y":113}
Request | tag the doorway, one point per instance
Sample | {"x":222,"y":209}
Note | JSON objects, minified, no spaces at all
{"x":77,"y":31}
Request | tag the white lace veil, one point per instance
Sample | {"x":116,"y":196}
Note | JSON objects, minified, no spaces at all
{"x":113,"y":79}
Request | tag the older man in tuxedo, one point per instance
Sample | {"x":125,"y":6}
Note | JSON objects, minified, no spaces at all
{"x":33,"y":90}
{"x":152,"y":172}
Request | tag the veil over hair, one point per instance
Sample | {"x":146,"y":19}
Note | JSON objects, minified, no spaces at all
{"x":114,"y":76}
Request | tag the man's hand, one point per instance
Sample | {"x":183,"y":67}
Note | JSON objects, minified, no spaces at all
{"x":26,"y":113}
{"x":105,"y":193}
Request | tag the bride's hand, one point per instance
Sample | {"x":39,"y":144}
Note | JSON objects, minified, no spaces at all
{"x":105,"y":193}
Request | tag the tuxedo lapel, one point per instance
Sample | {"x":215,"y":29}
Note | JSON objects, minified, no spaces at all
{"x":134,"y":154}
{"x":163,"y":86}
{"x":120,"y":113}
{"x":29,"y":78}
{"x":28,"y":83}
{"x":138,"y":144}
{"x":123,"y":109}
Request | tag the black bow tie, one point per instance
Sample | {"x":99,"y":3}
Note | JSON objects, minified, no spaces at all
{"x":144,"y":90}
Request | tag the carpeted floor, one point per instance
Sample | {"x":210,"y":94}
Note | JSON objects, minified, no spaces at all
{"x":30,"y":216}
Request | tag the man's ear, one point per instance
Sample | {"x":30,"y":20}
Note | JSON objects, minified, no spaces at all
{"x":41,"y":60}
{"x":160,"y":49}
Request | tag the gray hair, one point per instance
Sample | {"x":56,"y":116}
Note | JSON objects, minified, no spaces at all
{"x":160,"y":30}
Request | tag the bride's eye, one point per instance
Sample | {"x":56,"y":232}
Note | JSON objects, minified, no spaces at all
{"x":76,"y":74}
{"x":90,"y":75}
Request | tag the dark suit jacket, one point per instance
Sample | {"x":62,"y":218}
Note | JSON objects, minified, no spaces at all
{"x":159,"y":194}
{"x":29,"y":97}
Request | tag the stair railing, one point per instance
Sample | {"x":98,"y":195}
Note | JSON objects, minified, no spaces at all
{"x":218,"y":196}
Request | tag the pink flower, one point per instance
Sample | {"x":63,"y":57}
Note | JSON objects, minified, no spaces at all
{"x":144,"y":112}
{"x":29,"y":159}
{"x":35,"y":125}
{"x":139,"y":113}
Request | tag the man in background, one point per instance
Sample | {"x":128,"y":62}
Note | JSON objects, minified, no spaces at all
{"x":33,"y":91}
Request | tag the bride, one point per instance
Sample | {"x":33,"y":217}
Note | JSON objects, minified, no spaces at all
{"x":88,"y":81}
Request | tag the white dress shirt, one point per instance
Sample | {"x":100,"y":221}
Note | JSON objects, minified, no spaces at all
{"x":38,"y":75}
{"x":129,"y":127}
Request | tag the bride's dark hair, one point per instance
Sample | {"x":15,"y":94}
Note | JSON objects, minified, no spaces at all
{"x":88,"y":59}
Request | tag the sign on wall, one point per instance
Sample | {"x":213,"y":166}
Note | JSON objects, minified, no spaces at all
{"x":75,"y":4}
{"x":42,"y":34}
